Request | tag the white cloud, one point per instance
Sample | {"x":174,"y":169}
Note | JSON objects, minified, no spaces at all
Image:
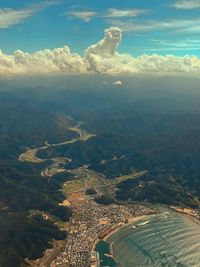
{"x":102,"y":57}
{"x":120,"y":13}
{"x":44,"y":61}
{"x":188,"y":43}
{"x":107,"y":46}
{"x":87,"y":15}
{"x":117,"y":82}
{"x":169,"y":64}
{"x":175,"y":25}
{"x":10,"y":17}
{"x":169,"y":45}
{"x":187,"y":4}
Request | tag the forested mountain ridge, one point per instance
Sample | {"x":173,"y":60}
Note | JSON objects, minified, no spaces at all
{"x":22,"y":190}
{"x":156,"y":131}
{"x":159,"y":135}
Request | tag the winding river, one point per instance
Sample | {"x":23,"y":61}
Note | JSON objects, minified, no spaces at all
{"x":56,"y":166}
{"x":167,"y":240}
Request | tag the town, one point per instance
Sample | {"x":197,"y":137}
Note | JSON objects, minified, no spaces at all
{"x":90,"y":223}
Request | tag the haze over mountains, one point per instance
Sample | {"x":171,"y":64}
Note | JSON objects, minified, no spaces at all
{"x":152,"y":128}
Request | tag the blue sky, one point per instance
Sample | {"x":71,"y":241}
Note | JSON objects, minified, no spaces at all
{"x":149,"y":26}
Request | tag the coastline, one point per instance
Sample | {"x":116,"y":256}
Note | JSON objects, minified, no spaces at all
{"x":119,"y":226}
{"x":188,"y":212}
{"x":123,"y":224}
{"x":113,"y":230}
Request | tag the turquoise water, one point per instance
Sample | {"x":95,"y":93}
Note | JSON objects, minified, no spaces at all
{"x":167,"y":240}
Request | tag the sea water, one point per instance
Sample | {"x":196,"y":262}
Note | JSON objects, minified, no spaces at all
{"x":166,"y":240}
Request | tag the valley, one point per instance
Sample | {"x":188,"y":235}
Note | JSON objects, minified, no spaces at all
{"x":57,"y":172}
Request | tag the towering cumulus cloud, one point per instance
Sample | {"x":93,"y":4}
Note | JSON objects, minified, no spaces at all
{"x":102,"y":57}
{"x":108,"y":46}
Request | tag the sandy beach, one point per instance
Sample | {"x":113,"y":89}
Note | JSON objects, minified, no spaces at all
{"x":122,"y":224}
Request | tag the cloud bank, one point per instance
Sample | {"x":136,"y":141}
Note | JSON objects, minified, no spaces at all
{"x":102,"y":57}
